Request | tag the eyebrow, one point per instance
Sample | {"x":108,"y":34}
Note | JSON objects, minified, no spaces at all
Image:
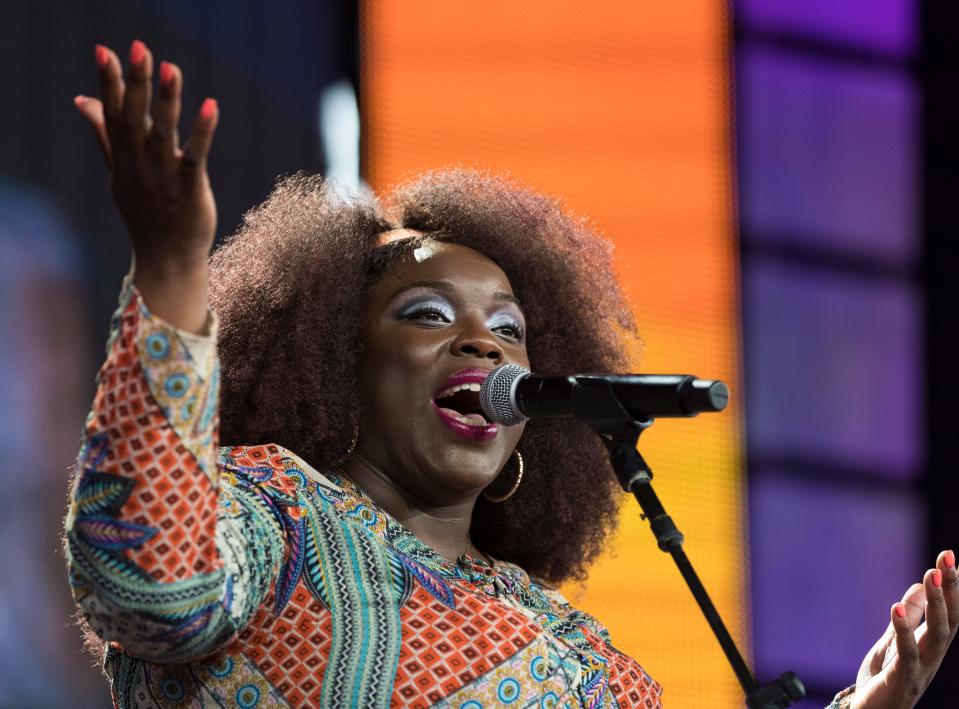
{"x":447,"y":288}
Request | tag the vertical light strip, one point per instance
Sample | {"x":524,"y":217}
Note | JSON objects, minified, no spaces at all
{"x":622,"y":109}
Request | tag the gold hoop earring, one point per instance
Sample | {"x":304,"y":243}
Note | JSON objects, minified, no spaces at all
{"x":356,"y":436}
{"x":519,"y":478}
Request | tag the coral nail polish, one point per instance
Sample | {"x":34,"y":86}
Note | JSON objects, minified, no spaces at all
{"x":138,"y":52}
{"x":78,"y":101}
{"x":937,"y":578}
{"x":208,"y":109}
{"x":900,"y":610}
{"x":102,"y":55}
{"x":166,"y":73}
{"x":950,"y":559}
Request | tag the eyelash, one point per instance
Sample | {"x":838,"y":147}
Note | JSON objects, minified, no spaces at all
{"x":514,"y":327}
{"x":420,"y":313}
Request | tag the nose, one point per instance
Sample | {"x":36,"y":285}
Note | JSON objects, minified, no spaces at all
{"x":478,"y":342}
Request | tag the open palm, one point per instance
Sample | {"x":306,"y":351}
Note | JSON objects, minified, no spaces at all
{"x":902,"y":663}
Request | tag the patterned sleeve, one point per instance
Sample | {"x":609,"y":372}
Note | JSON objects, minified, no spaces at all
{"x":843,"y":700}
{"x":163,"y":559}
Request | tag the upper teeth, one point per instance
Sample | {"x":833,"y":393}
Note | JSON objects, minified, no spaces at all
{"x":471,"y":386}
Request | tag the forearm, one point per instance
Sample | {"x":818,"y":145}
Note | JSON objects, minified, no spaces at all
{"x":141,"y":530}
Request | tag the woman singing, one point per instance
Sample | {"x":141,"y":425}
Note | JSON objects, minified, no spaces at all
{"x":333,"y":522}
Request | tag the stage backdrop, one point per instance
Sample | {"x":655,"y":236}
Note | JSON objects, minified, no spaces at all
{"x":622,"y":109}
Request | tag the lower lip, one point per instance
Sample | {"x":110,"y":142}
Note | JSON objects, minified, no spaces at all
{"x":474,"y":433}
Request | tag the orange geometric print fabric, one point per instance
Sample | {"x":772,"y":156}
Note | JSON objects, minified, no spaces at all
{"x":245,"y":577}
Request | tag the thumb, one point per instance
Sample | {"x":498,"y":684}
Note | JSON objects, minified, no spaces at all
{"x":914,"y":600}
{"x":92,"y":110}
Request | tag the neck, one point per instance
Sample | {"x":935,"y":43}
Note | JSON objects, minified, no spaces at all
{"x":443,"y":526}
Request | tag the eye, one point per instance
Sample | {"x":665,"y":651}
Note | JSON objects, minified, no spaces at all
{"x":507,"y":327}
{"x":427,"y":313}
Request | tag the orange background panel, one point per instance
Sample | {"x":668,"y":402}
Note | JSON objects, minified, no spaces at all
{"x":622,"y":109}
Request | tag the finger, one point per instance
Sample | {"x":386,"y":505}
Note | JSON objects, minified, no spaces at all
{"x":136,"y":101}
{"x":92,"y":110}
{"x":112,"y":87}
{"x":938,"y":635}
{"x":914,"y":601}
{"x":197,"y":146}
{"x":907,"y":677}
{"x":163,"y":139}
{"x":946,"y":563}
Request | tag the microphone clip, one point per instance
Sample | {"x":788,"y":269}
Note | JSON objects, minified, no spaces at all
{"x":595,"y":402}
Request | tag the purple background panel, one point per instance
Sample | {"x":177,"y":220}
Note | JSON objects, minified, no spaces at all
{"x":880,"y":25}
{"x":828,"y":153}
{"x":825,"y":569}
{"x":835,"y":369}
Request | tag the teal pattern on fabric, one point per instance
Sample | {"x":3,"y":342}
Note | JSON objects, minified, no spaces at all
{"x":349,"y":572}
{"x":244,"y":577}
{"x":366,"y":620}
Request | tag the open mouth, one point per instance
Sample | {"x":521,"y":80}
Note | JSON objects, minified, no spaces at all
{"x":458,"y":405}
{"x":462,"y":402}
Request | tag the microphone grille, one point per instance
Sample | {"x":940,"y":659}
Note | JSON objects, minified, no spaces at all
{"x":497,"y":398}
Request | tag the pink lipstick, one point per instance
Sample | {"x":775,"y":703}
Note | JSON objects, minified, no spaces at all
{"x":458,"y":407}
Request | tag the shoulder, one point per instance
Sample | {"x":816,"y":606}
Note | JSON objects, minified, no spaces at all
{"x":545,"y":597}
{"x":535,"y":593}
{"x":518,"y":574}
{"x":261,"y":463}
{"x":272,"y":482}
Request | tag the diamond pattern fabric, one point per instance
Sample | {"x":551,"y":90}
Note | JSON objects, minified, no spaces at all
{"x":244,"y":577}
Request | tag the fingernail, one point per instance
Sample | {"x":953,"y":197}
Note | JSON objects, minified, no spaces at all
{"x":138,"y":52}
{"x":208,"y":109}
{"x":950,"y":559}
{"x":937,"y":578}
{"x":78,"y":101}
{"x":900,"y":610}
{"x":102,"y":55}
{"x":166,"y":73}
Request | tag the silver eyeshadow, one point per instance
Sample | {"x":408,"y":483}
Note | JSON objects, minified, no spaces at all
{"x":500,"y":319}
{"x":420,"y":306}
{"x":426,"y":304}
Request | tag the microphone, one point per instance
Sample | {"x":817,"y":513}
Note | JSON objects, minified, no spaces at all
{"x":511,"y":395}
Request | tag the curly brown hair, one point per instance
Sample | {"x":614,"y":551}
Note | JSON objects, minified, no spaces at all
{"x":290,"y":292}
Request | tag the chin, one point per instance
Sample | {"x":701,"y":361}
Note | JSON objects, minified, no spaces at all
{"x":464,"y":470}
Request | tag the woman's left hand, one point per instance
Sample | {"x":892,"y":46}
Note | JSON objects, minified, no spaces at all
{"x":904,"y":660}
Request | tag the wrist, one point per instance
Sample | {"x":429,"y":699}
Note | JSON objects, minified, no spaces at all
{"x":162,"y":266}
{"x":175,"y":290}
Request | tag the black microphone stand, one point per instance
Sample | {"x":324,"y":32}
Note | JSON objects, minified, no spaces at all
{"x":620,"y":433}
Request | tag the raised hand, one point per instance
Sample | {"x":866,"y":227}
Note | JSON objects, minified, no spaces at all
{"x":161,"y":188}
{"x":902,"y":663}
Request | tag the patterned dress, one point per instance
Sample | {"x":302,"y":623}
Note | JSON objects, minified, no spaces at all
{"x":244,"y":577}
